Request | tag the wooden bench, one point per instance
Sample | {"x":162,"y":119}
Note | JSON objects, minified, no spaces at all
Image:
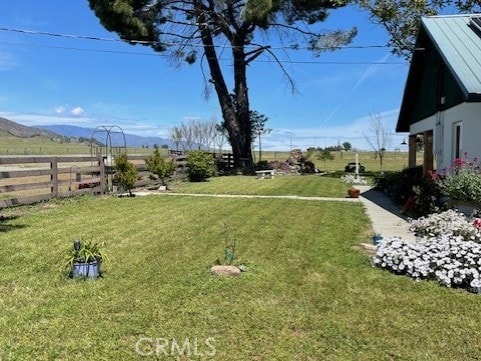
{"x":269,"y":173}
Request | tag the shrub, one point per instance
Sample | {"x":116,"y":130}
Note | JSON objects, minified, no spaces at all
{"x":200,"y":166}
{"x":418,"y":194}
{"x":461,"y":181}
{"x":160,"y":166}
{"x":125,"y":173}
{"x":262,"y":164}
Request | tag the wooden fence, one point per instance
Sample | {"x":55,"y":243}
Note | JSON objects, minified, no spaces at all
{"x":224,"y":161}
{"x":32,"y":179}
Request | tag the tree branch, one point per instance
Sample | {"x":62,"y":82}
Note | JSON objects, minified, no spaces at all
{"x":255,"y":53}
{"x":283,"y":69}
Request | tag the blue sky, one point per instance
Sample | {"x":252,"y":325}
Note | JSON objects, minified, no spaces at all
{"x":58,"y":80}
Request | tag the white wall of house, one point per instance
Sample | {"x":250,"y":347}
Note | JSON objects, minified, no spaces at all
{"x":463,"y":119}
{"x":467,"y":117}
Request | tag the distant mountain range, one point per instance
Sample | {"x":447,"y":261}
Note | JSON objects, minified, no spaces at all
{"x":116,"y":138}
{"x":63,"y":130}
{"x":22,"y":131}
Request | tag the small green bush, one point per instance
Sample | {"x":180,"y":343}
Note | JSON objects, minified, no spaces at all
{"x":261,"y":165}
{"x":200,"y":166}
{"x":160,"y":166}
{"x":125,"y":173}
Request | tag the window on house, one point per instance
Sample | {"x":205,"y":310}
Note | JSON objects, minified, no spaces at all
{"x":457,"y":140}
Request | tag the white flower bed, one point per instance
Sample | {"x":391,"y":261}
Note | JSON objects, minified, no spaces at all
{"x":352,"y":179}
{"x":451,"y":260}
{"x":450,"y":222}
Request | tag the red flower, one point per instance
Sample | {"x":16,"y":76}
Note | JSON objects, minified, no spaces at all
{"x":459,"y":162}
{"x":477,"y":223}
{"x":410,"y":204}
{"x":433,"y":175}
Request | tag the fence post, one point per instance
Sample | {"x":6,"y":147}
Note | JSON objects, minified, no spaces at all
{"x":103,"y":178}
{"x":54,"y":177}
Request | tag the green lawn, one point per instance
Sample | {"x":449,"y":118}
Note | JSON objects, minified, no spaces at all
{"x":306,"y":186}
{"x":309,"y":293}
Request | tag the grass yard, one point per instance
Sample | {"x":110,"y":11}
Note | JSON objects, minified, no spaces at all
{"x":306,"y":186}
{"x":308,"y":294}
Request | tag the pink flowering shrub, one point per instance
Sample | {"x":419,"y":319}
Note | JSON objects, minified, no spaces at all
{"x":461,"y":181}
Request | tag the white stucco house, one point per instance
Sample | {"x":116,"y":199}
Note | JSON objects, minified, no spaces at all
{"x":441,"y":105}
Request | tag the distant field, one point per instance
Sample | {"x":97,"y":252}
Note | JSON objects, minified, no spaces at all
{"x":393,"y":161}
{"x":10,"y":145}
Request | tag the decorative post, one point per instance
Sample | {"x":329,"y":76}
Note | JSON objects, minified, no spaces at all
{"x":412,"y":151}
{"x":54,"y":177}
{"x":356,"y":171}
{"x":260,"y":144}
{"x":103,"y":178}
{"x":428,"y":151}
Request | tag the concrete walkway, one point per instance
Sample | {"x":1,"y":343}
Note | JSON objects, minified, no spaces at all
{"x":385,"y":216}
{"x":387,"y":219}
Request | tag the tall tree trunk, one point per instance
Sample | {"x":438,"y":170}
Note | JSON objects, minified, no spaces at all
{"x":243,"y":123}
{"x":235,"y":108}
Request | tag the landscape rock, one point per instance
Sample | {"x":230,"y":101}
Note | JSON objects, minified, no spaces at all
{"x":368,"y":246}
{"x":221,"y":270}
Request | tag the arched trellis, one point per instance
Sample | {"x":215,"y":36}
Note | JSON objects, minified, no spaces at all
{"x":106,"y":149}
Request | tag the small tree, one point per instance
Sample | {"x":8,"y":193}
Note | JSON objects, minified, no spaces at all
{"x":160,"y":166}
{"x":176,"y":135}
{"x":200,"y":166}
{"x":258,"y":123}
{"x":381,"y":138}
{"x":347,"y":146}
{"x":125,"y":173}
{"x":325,"y":155}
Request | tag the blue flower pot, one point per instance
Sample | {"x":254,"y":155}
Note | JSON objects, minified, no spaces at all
{"x":86,"y":270}
{"x":376,"y":240}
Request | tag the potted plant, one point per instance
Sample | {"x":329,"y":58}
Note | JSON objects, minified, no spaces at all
{"x":84,"y":259}
{"x":353,"y":192}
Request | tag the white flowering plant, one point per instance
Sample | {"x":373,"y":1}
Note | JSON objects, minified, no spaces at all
{"x":450,"y":260}
{"x":450,"y":222}
{"x":353,"y":179}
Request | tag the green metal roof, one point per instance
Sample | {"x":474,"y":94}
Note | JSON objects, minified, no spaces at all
{"x":446,"y":64}
{"x":459,"y":44}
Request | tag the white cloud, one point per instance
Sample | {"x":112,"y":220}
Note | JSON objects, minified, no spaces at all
{"x":77,"y":111}
{"x":59,"y":110}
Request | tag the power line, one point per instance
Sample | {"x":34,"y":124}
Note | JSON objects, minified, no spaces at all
{"x":285,"y":61}
{"x":145,"y":42}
